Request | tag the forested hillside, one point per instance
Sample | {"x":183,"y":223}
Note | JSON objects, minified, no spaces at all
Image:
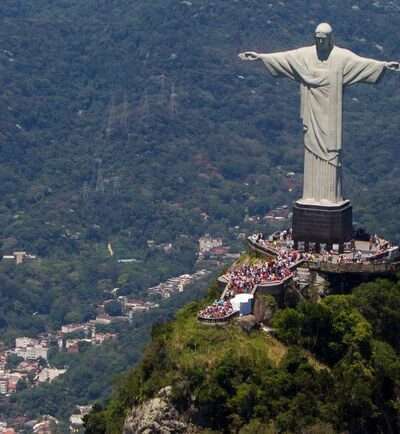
{"x":334,"y":369}
{"x":124,"y":121}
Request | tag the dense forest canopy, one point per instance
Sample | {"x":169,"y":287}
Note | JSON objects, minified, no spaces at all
{"x":124,"y":120}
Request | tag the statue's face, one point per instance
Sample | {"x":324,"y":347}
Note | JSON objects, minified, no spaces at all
{"x":323,"y":41}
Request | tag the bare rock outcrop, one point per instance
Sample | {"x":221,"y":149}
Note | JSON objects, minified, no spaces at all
{"x":157,"y":416}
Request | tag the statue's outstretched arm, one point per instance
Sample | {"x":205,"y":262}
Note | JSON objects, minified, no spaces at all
{"x":358,"y":69}
{"x":279,"y":64}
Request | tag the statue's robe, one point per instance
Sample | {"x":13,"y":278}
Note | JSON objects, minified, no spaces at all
{"x":321,"y":84}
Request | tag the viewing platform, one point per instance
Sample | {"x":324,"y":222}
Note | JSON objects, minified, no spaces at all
{"x":376,"y":256}
{"x":280,"y":265}
{"x":246,"y":278}
{"x":208,"y":316}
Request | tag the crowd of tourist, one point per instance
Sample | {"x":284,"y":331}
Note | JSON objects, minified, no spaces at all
{"x":274,"y":242}
{"x":345,"y":258}
{"x":377,"y":249}
{"x":220,"y":309}
{"x":243,"y":279}
{"x":379,"y":244}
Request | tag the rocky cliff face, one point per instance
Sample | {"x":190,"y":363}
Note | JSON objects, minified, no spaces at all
{"x":157,"y":416}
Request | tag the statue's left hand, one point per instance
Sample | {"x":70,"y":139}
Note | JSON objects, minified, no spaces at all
{"x":393,"y":66}
{"x":248,"y":55}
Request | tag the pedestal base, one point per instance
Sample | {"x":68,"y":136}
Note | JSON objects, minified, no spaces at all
{"x":322,"y":224}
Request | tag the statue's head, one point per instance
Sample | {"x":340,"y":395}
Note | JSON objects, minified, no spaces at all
{"x":324,"y":37}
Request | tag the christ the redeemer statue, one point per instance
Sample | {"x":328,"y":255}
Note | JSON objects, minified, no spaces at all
{"x":323,"y":70}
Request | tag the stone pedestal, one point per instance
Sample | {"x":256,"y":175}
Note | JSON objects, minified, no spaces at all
{"x":322,"y":224}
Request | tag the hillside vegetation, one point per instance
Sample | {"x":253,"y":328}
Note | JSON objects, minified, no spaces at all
{"x":230,"y":381}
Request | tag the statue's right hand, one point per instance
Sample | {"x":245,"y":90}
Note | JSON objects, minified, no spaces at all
{"x":393,"y":66}
{"x":249,"y":55}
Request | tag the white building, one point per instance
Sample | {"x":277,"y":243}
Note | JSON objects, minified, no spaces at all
{"x":3,"y":386}
{"x":73,"y":328}
{"x":206,"y":243}
{"x":32,"y":352}
{"x":47,"y":425}
{"x":23,"y":342}
{"x":243,"y":303}
{"x":49,"y":374}
{"x":76,"y":419}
